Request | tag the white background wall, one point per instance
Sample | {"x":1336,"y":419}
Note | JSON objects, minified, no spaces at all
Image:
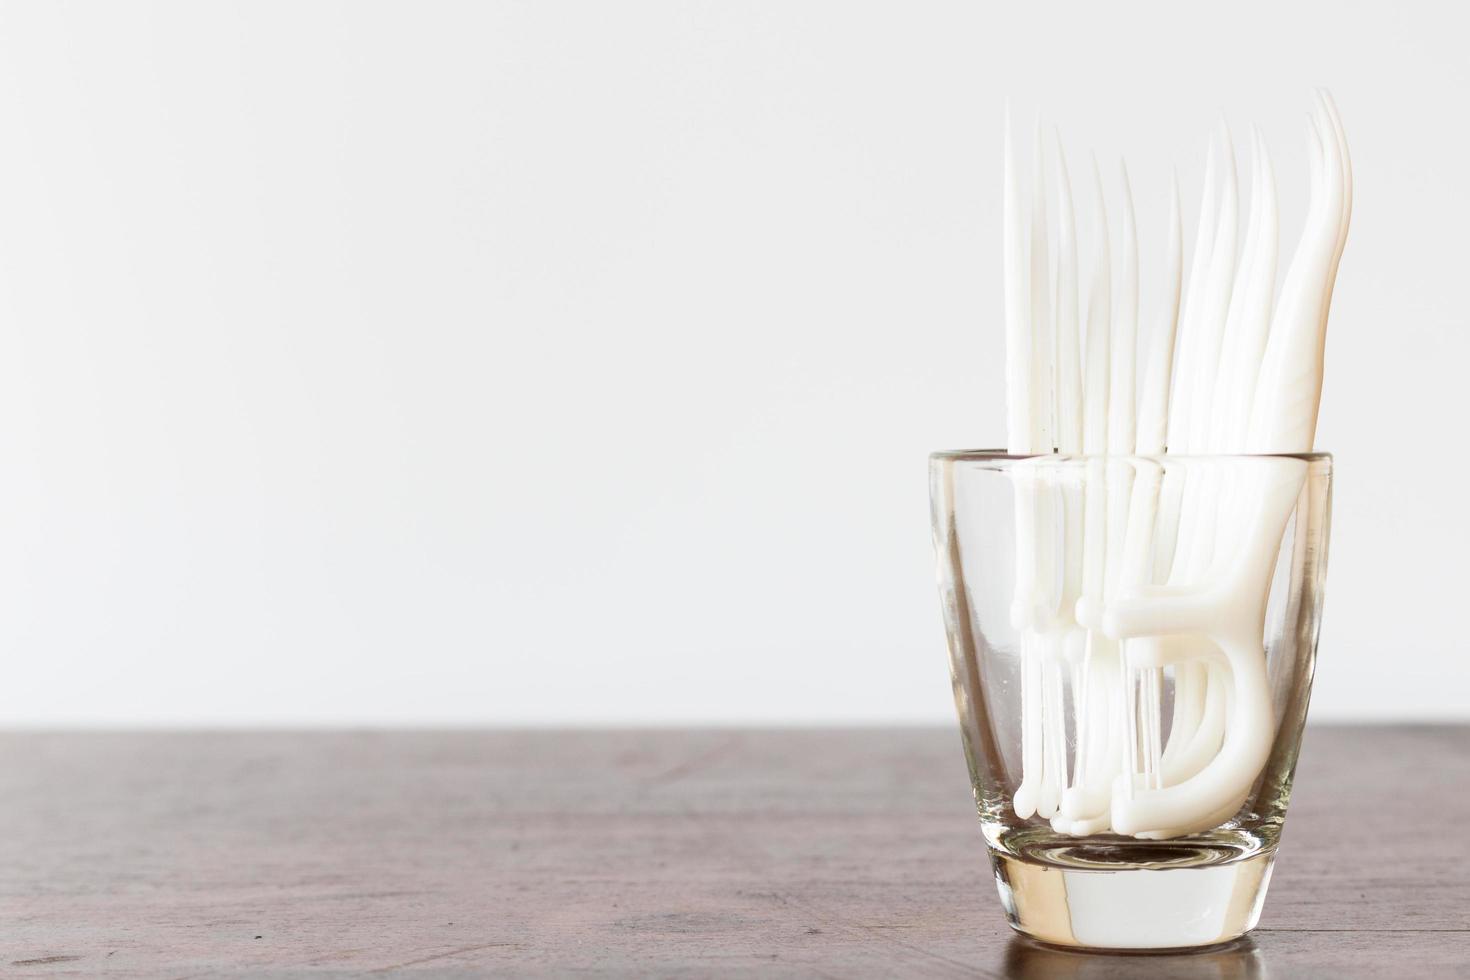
{"x":577,"y":362}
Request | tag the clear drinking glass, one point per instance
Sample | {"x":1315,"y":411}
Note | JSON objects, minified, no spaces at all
{"x":1132,"y":642}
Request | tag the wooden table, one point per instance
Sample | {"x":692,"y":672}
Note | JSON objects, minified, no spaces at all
{"x":816,"y":853}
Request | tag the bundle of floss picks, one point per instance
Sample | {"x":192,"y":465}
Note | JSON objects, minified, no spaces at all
{"x":1138,"y":566}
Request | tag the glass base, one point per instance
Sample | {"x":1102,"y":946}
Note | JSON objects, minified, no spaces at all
{"x":1147,"y":896}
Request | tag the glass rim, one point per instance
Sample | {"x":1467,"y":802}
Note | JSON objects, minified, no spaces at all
{"x":1001,"y":456}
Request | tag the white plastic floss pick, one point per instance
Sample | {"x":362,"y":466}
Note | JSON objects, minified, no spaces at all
{"x":1131,"y":565}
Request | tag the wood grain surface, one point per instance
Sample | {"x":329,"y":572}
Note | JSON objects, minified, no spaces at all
{"x":811,"y":853}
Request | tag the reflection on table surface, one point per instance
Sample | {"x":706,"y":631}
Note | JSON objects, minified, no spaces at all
{"x":1240,"y":960}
